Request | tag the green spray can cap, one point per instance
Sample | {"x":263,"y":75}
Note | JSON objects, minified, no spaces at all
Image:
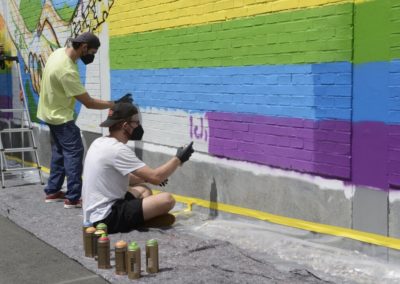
{"x":101,"y":226}
{"x":133,"y":246}
{"x":152,"y":242}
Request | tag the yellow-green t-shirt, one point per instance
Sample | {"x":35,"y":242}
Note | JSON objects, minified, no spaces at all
{"x":60,"y":84}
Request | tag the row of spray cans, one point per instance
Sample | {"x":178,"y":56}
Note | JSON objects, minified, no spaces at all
{"x":127,"y":257}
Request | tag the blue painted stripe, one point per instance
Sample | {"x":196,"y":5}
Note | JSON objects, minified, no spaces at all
{"x":309,"y":91}
{"x":5,"y":85}
{"x":371,"y":91}
{"x":377,"y":92}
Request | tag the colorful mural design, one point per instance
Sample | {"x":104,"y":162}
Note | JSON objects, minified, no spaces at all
{"x":276,"y":84}
{"x":309,"y":86}
{"x":5,"y":74}
{"x":38,"y":27}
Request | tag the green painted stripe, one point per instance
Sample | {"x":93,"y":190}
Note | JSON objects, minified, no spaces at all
{"x":372,"y":29}
{"x":395,"y":30}
{"x":321,"y":34}
{"x":5,"y":71}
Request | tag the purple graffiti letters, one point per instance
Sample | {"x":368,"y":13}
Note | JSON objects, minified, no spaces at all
{"x":198,"y":132}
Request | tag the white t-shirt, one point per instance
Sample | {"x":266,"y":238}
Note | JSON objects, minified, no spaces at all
{"x":105,"y":176}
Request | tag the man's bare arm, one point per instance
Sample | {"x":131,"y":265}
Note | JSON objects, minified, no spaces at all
{"x":134,"y":179}
{"x":93,"y":103}
{"x":158,"y":175}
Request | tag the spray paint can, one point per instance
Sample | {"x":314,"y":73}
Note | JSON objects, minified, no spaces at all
{"x":96,"y":235}
{"x":134,"y":264}
{"x":103,"y":252}
{"x":102,"y":226}
{"x":152,"y":256}
{"x":121,"y":253}
{"x":88,"y":242}
{"x":84,"y":227}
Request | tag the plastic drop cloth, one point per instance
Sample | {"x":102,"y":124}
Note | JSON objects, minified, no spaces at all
{"x":203,"y":246}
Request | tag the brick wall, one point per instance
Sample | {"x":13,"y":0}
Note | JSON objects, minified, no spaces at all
{"x":309,"y":86}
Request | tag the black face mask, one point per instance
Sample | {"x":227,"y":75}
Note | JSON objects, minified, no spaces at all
{"x":87,"y":59}
{"x":137,"y":133}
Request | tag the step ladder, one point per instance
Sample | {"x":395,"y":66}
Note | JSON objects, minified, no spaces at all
{"x":10,"y":136}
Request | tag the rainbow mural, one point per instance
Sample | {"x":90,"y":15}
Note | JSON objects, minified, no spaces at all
{"x":300,"y":85}
{"x":309,"y":86}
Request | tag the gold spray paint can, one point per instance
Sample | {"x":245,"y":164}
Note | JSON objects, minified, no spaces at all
{"x":96,"y":235}
{"x":84,"y":227}
{"x":103,"y":252}
{"x":88,"y":242}
{"x":152,"y":256}
{"x":134,"y":264}
{"x":121,"y":258}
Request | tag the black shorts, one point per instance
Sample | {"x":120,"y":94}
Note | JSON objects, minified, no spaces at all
{"x":126,"y":214}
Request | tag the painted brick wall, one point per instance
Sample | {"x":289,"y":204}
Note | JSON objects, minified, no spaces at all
{"x":240,"y":73}
{"x":309,"y":86}
{"x":375,"y":154}
{"x":394,"y":97}
{"x":320,"y":35}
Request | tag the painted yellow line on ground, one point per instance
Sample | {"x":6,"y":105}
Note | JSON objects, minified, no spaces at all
{"x":44,"y":169}
{"x":134,"y":16}
{"x":292,"y":222}
{"x":276,"y":219}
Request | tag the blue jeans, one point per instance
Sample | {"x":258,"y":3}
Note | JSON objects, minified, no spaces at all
{"x":66,"y":160}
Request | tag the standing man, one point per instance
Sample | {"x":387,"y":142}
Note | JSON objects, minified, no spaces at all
{"x":114,"y":189}
{"x":60,"y":88}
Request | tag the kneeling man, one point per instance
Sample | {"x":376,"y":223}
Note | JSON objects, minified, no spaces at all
{"x":114,"y":190}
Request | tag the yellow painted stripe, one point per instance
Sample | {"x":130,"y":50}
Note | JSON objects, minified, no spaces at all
{"x":276,"y":219}
{"x":134,"y":16}
{"x":44,"y":169}
{"x":292,"y":222}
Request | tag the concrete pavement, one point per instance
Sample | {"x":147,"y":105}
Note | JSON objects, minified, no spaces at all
{"x":200,"y":247}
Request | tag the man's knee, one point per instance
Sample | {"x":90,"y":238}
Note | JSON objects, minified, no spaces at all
{"x":167,"y":200}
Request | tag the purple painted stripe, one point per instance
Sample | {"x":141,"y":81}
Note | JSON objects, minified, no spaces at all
{"x":394,"y":155}
{"x":319,"y":147}
{"x":365,"y":153}
{"x":6,"y":102}
{"x":376,"y":154}
{"x":5,"y":93}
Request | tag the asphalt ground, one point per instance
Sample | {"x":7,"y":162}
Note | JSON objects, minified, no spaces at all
{"x":26,"y":259}
{"x":46,"y":247}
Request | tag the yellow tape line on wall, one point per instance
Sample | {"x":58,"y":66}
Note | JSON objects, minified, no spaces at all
{"x":292,"y":222}
{"x":276,"y":219}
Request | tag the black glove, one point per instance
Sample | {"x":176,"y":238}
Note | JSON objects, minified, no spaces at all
{"x":125,"y":99}
{"x":164,"y":183}
{"x":184,"y":153}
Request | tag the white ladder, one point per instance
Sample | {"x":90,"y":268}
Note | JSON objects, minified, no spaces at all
{"x":25,"y":129}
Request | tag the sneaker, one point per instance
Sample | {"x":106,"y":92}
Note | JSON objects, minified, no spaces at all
{"x":72,"y":204}
{"x":55,"y":197}
{"x":166,"y":220}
